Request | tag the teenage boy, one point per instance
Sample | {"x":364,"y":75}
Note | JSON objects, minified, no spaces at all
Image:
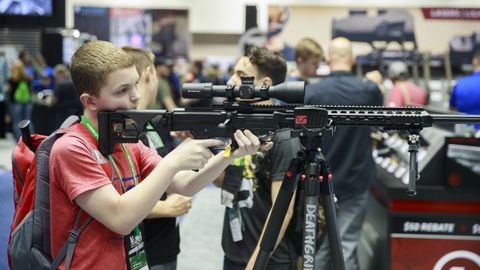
{"x":162,"y":236}
{"x":308,"y":55}
{"x":261,"y":177}
{"x":105,"y":78}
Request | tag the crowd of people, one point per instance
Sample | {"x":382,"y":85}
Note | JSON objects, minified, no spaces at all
{"x":162,"y":171}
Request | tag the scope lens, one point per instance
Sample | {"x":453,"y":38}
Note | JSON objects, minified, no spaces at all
{"x":247,"y":91}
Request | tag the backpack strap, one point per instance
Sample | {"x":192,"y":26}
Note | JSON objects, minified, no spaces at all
{"x":16,"y":197}
{"x":41,"y":208}
{"x":17,"y":169}
{"x":41,"y":213}
{"x":70,"y":121}
{"x":69,"y":246}
{"x":66,"y":252}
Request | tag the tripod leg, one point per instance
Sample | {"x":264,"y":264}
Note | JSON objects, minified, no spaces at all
{"x":326,"y":191}
{"x":310,"y":230}
{"x":274,"y":222}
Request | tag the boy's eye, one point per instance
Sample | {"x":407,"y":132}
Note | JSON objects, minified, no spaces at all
{"x":122,"y":91}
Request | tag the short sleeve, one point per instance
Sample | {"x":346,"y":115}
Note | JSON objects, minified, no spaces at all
{"x":164,"y":88}
{"x":149,"y":159}
{"x":284,"y":149}
{"x":74,"y":167}
{"x":453,"y":97}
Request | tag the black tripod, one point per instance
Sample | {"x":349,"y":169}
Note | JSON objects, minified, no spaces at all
{"x":314,"y":171}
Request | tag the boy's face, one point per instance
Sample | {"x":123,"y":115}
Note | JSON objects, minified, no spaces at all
{"x":309,"y":66}
{"x":243,"y":68}
{"x":120,"y":91}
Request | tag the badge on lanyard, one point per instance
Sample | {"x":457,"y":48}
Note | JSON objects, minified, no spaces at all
{"x":235,"y":220}
{"x":231,"y":185}
{"x":135,"y":249}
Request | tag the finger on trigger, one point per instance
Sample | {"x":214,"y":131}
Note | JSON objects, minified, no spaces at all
{"x":211,"y":142}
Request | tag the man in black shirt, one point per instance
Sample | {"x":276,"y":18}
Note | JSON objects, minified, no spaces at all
{"x":349,"y":150}
{"x":260,"y":178}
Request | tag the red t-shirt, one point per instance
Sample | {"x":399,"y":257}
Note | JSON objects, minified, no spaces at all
{"x":416,"y":96}
{"x":75,"y":170}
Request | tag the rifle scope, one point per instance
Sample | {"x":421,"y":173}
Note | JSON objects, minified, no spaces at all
{"x":290,"y":92}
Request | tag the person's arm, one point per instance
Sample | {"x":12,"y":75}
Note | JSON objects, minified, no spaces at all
{"x":169,"y":103}
{"x":165,"y":93}
{"x":453,"y":99}
{"x":189,"y":182}
{"x":184,"y":102}
{"x":218,"y":182}
{"x":174,"y":206}
{"x":276,"y":185}
{"x":121,"y":213}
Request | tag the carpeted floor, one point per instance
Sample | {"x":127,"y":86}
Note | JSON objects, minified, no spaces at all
{"x":6,"y":213}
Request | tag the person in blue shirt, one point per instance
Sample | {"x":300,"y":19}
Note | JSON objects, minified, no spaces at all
{"x":465,"y":96}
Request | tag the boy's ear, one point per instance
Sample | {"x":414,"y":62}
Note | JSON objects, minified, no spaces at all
{"x":149,"y":72}
{"x":88,"y":102}
{"x":266,"y":81}
{"x":299,"y":60}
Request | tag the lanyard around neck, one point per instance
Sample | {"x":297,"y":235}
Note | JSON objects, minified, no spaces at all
{"x":94,"y":133}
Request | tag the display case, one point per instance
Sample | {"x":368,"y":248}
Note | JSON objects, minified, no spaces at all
{"x":439,"y":228}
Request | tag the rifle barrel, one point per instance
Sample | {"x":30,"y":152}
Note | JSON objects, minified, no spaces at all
{"x":455,"y":118}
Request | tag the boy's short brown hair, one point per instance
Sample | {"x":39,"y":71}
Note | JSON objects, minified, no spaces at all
{"x":308,"y":48}
{"x":268,"y":64}
{"x":92,"y":62}
{"x":141,"y":58}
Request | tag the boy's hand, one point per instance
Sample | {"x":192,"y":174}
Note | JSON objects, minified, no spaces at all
{"x":247,"y":142}
{"x":178,"y":204}
{"x":181,"y":135}
{"x":191,"y":154}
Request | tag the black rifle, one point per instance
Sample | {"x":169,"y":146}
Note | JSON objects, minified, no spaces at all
{"x":263,"y":121}
{"x":309,"y":123}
